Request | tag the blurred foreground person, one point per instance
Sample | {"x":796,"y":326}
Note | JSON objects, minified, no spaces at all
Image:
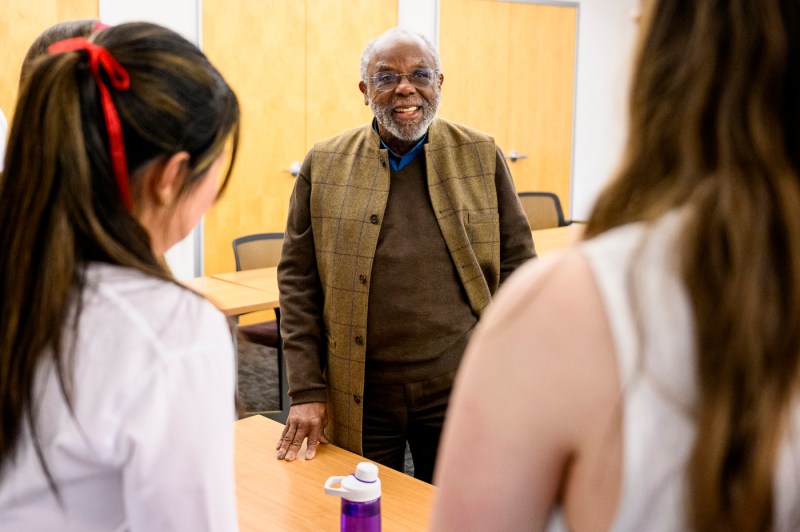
{"x":116,"y":383}
{"x":648,"y":379}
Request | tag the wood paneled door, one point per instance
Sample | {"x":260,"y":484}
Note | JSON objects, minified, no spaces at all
{"x":295,"y":68}
{"x":509,"y":70}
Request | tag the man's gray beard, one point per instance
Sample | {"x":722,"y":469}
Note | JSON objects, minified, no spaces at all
{"x":406,"y":132}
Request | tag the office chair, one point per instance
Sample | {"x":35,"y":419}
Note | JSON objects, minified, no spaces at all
{"x":543,"y":210}
{"x":263,"y":250}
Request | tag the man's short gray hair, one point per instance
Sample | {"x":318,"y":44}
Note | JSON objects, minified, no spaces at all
{"x":397,"y":30}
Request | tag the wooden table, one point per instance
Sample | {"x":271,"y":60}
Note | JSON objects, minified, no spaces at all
{"x":276,"y":495}
{"x":233,"y":298}
{"x":265,"y":279}
{"x":556,"y":239}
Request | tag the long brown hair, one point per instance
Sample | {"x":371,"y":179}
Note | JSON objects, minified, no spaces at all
{"x":60,"y":206}
{"x":714,"y":117}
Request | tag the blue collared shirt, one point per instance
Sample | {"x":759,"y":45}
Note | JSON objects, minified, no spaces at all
{"x":397,"y":162}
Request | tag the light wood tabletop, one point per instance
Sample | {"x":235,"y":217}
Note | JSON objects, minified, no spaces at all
{"x":276,"y":495}
{"x":231,"y":298}
{"x":265,"y":279}
{"x":555,"y":239}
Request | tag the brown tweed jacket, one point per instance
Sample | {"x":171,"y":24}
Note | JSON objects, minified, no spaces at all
{"x":331,"y":236}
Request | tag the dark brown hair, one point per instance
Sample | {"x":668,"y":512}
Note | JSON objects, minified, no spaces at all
{"x":714,"y":117}
{"x":55,"y":33}
{"x":60,"y":206}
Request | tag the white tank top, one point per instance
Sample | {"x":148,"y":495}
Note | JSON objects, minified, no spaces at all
{"x":652,"y":328}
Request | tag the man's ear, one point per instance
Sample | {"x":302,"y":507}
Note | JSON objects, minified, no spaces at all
{"x":363,"y":88}
{"x":166,"y":179}
{"x":441,"y":80}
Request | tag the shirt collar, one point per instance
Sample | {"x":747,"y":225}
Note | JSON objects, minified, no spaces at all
{"x":398,"y":162}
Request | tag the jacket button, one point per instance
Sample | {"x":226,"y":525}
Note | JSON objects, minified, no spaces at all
{"x":359,"y":340}
{"x":357,"y":399}
{"x":373,"y":218}
{"x":362,"y":279}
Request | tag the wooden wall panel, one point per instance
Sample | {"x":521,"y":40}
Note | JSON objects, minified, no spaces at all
{"x":474,"y":47}
{"x":295,"y":67}
{"x":77,"y":9}
{"x":20,"y":24}
{"x":509,"y":71}
{"x":542,"y":74}
{"x":258,"y":45}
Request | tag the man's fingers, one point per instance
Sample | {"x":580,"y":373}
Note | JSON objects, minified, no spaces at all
{"x":311,"y":448}
{"x":283,"y":435}
{"x":291,"y":454}
{"x":316,"y":437}
{"x":290,"y":433}
{"x":305,"y":420}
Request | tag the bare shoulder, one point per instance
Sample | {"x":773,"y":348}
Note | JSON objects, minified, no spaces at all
{"x":547,"y":335}
{"x":544,"y":299}
{"x":536,"y":387}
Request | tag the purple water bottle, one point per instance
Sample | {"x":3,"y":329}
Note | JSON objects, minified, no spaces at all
{"x":361,"y":498}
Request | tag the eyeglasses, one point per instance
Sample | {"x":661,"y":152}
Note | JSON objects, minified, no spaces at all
{"x":422,"y":78}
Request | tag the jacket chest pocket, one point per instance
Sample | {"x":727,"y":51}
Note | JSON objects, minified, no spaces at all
{"x":483,"y":228}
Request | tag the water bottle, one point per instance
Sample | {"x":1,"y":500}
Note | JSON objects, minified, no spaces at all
{"x":361,"y":498}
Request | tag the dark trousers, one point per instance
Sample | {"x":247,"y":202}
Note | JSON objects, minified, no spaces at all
{"x":398,"y":413}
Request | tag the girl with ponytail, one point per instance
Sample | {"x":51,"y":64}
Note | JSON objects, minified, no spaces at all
{"x":116,"y":383}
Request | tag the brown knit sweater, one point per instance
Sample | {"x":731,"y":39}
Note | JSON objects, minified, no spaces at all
{"x":419,"y":315}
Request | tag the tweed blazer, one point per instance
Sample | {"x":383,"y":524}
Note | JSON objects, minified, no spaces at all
{"x":332,"y":234}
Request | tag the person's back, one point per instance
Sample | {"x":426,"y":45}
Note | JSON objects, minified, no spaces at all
{"x":141,"y":373}
{"x":650,"y":320}
{"x":648,"y":379}
{"x":116,"y":383}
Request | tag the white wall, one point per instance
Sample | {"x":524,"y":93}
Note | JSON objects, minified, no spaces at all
{"x":421,"y":16}
{"x":606,"y":35}
{"x":182,"y":16}
{"x":186,"y":257}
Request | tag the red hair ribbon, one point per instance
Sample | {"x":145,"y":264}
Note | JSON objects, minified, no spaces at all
{"x":118,"y":76}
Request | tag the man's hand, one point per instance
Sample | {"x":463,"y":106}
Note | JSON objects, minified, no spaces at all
{"x":305,"y":421}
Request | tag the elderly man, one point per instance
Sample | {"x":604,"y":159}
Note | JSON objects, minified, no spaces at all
{"x":399,"y":232}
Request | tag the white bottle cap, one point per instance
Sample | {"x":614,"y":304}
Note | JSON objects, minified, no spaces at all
{"x":363,"y":486}
{"x":367,"y":472}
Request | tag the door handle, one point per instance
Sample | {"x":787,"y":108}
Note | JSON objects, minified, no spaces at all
{"x":294,"y":168}
{"x":514,"y":156}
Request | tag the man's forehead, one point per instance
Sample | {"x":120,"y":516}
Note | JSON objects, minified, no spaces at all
{"x":412,"y":48}
{"x":380,"y":64}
